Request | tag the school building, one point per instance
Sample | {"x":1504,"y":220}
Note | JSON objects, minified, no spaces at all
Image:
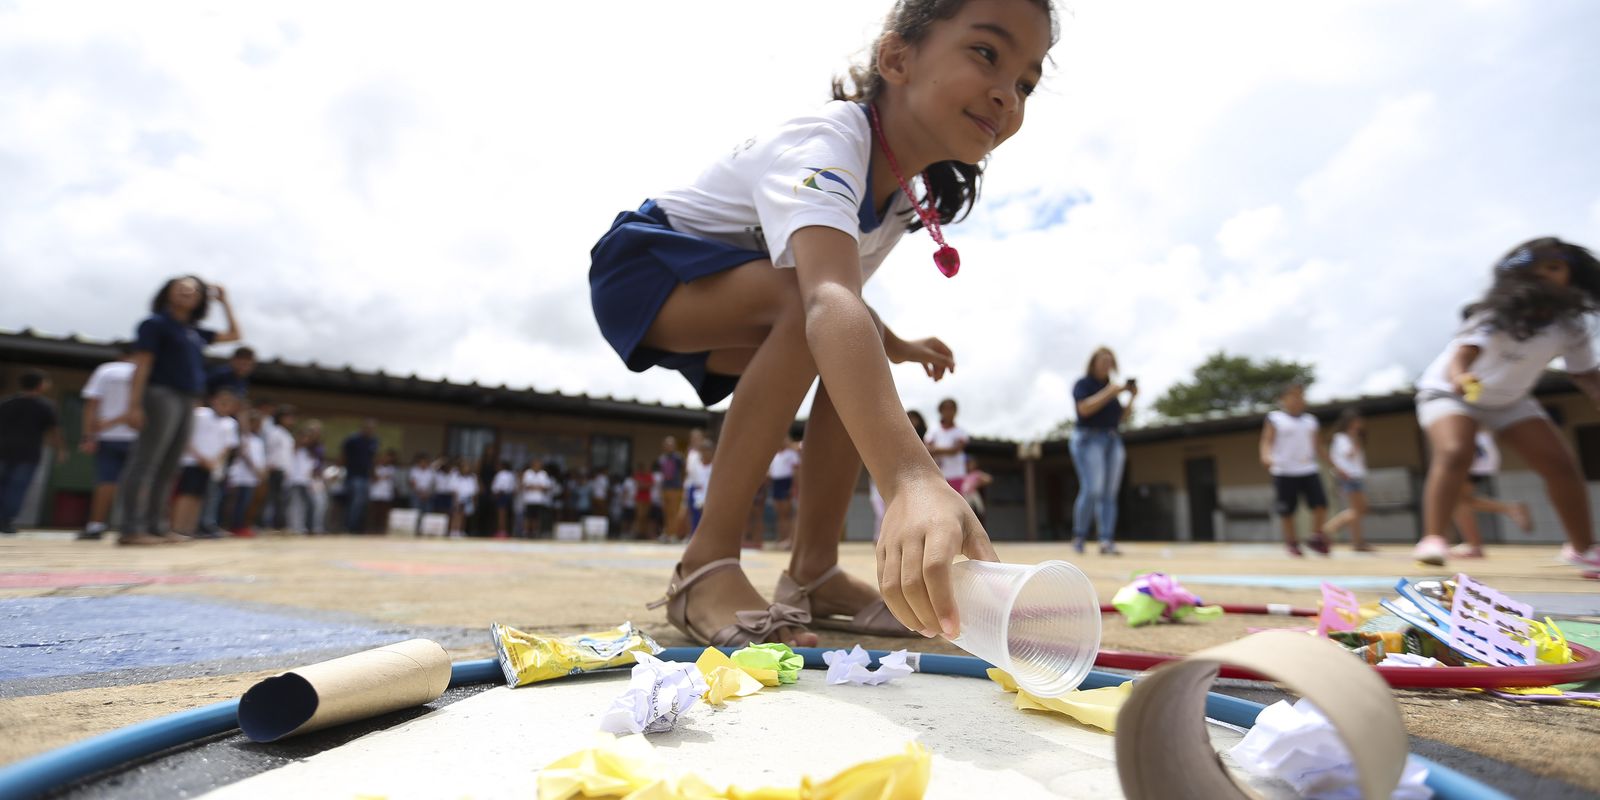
{"x":1196,"y":479}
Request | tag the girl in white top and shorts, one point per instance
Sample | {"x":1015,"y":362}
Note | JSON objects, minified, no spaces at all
{"x":1537,"y":308}
{"x":1348,"y":454}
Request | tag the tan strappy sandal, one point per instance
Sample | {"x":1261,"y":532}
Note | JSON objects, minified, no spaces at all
{"x":749,"y":627}
{"x":873,"y":619}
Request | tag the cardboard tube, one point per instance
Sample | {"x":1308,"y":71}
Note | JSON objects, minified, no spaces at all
{"x":346,"y":689}
{"x":1162,"y":747}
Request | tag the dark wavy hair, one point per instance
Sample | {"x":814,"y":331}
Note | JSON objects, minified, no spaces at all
{"x":158,"y":304}
{"x":1348,"y":417}
{"x":1521,"y":304}
{"x":951,"y":186}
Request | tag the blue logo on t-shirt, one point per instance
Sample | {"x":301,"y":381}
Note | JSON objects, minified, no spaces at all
{"x":831,"y":180}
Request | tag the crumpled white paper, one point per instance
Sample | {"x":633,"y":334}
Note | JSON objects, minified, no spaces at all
{"x":1409,"y":660}
{"x":851,"y":667}
{"x":1297,"y":744}
{"x":658,"y":693}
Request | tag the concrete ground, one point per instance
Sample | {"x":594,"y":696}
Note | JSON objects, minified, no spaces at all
{"x":95,"y":637}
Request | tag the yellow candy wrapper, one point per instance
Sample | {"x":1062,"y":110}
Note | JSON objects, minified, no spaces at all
{"x":1553,"y":648}
{"x":529,"y":658}
{"x":727,"y":679}
{"x":1097,"y":707}
{"x":629,"y":768}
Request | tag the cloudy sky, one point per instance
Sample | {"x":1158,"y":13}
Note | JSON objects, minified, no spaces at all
{"x":406,"y":187}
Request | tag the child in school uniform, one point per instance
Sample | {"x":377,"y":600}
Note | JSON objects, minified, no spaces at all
{"x":246,"y":473}
{"x":503,"y":487}
{"x":464,"y":488}
{"x":210,"y":438}
{"x":1538,"y":306}
{"x":1289,"y":450}
{"x":751,"y":277}
{"x":1348,"y":455}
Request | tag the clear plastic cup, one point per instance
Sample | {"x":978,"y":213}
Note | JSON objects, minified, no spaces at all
{"x":1038,"y":622}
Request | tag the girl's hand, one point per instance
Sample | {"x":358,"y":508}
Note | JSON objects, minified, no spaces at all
{"x":924,"y":528}
{"x":219,"y":293}
{"x":934,"y":355}
{"x":134,"y":418}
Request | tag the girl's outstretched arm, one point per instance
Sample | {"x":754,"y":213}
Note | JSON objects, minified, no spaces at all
{"x":927,"y":524}
{"x":1459,"y":373}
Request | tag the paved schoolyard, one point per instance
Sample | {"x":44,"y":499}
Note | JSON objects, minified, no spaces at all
{"x":95,"y":637}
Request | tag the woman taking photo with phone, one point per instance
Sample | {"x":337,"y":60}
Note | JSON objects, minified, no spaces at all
{"x":1097,"y":449}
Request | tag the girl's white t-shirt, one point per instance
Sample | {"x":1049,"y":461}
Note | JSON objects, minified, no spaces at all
{"x":110,"y":383}
{"x":421,"y":481}
{"x":1294,"y":443}
{"x":1507,"y":368}
{"x":242,"y":474}
{"x":1348,"y":456}
{"x":210,"y":436}
{"x":697,"y":473}
{"x":382,"y":489}
{"x":1486,"y":455}
{"x":466,"y":486}
{"x":784,"y":464}
{"x":301,"y":467}
{"x":952,"y":465}
{"x":444,"y":481}
{"x":536,"y":486}
{"x":811,"y":170}
{"x":505,"y":482}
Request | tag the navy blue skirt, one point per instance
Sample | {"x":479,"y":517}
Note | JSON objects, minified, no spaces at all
{"x":632,"y":271}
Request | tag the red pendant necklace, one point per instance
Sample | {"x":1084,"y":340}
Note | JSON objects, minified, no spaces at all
{"x":946,"y":257}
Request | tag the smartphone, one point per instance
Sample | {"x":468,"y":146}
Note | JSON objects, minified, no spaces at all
{"x":1131,"y":384}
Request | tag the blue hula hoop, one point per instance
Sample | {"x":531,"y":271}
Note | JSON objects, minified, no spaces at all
{"x":65,"y":765}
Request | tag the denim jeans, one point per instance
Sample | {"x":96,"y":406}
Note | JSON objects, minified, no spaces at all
{"x":211,"y":511}
{"x":15,"y":476}
{"x":1099,"y":456}
{"x":355,"y":516}
{"x":240,"y":512}
{"x":299,"y":512}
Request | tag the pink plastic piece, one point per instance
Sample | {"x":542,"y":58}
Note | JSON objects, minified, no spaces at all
{"x":1488,"y":626}
{"x":1165,"y":588}
{"x":1335,"y":600}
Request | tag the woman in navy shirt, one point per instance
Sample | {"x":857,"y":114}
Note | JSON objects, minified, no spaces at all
{"x":169,"y":377}
{"x":1097,"y":449}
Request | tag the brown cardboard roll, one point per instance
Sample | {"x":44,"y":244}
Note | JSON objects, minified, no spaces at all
{"x":1162,"y":748}
{"x":345,"y":689}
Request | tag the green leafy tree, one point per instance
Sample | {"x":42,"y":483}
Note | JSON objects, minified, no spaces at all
{"x":1232,"y":383}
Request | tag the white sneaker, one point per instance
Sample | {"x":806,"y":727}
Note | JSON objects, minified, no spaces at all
{"x":1588,"y":559}
{"x":1432,"y":550}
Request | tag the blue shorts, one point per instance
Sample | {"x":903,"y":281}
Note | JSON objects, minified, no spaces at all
{"x":781,"y":488}
{"x":632,"y":271}
{"x":109,"y":457}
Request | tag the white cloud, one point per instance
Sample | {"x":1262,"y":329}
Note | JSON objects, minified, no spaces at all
{"x":403,"y":188}
{"x":1248,"y":233}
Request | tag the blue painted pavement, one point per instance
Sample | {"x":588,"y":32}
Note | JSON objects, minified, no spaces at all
{"x":42,"y":637}
{"x":1312,"y":582}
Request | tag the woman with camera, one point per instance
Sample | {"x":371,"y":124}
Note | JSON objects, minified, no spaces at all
{"x":1097,"y":451}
